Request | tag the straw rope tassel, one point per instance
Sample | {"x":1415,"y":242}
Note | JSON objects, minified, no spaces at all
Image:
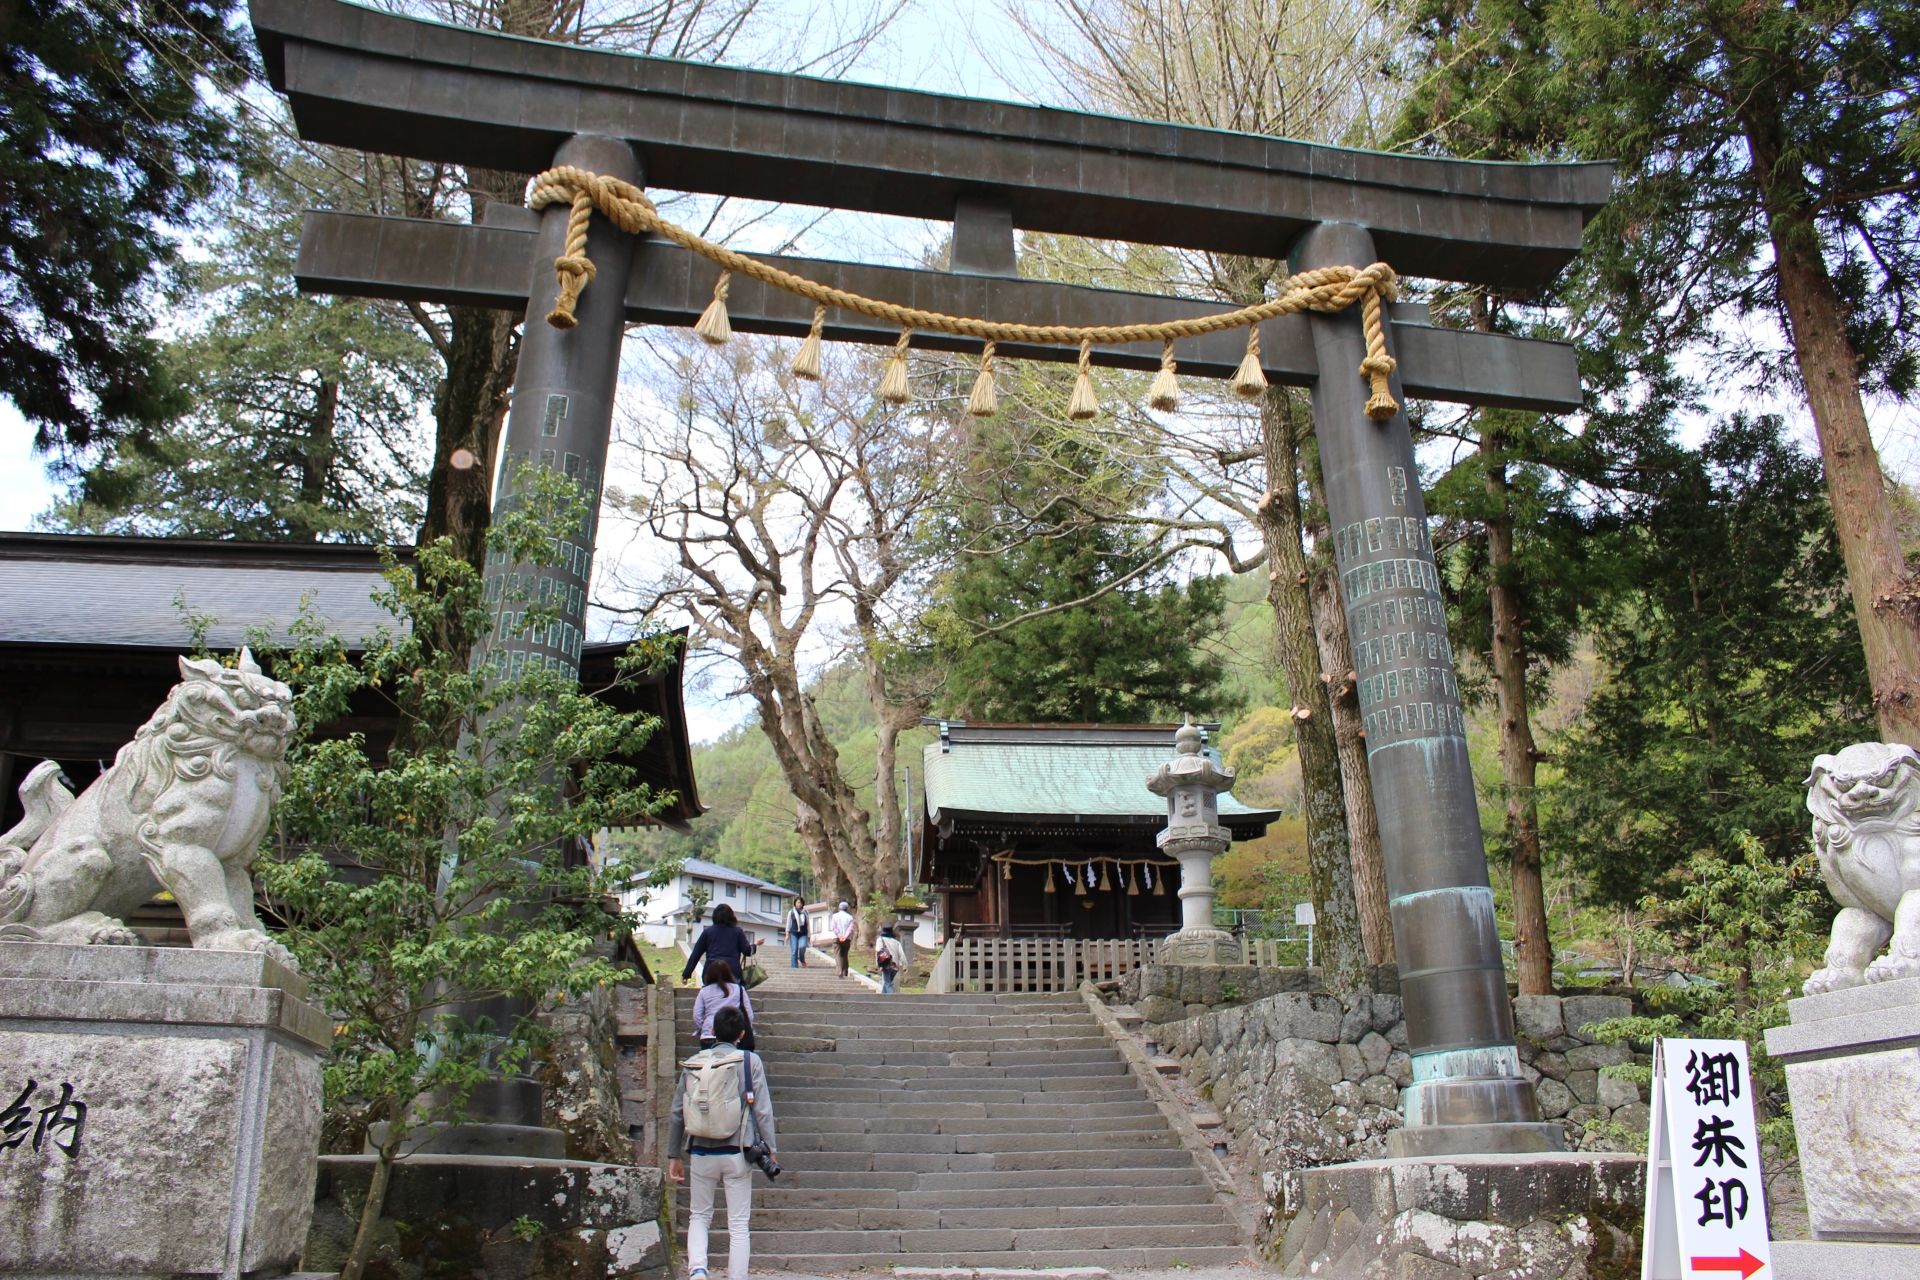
{"x":713,"y":325}
{"x":1050,"y":888}
{"x":1323,"y":289}
{"x":1378,"y":365}
{"x":574,"y":267}
{"x":984,"y":402}
{"x":1132,"y":883}
{"x":893,"y":386}
{"x":1249,"y":381}
{"x":1164,"y":395}
{"x":1084,"y":404}
{"x":1104,"y":886}
{"x":806,"y":361}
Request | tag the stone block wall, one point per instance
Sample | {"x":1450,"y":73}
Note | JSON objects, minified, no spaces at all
{"x":1303,"y":1078}
{"x":578,"y":1069}
{"x":1542,"y":1217}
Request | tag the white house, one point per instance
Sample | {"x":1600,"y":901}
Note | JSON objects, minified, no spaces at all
{"x":666,"y":915}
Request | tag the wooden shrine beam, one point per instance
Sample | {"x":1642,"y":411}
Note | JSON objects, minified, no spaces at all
{"x":364,"y":255}
{"x":380,"y":82}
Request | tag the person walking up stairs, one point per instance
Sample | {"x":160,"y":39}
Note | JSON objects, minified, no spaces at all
{"x":966,"y":1130}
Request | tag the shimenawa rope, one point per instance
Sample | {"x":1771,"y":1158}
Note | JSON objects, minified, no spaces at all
{"x":1325,"y":289}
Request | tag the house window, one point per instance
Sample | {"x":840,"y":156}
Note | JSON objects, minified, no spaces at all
{"x":704,"y":888}
{"x":733,"y":890}
{"x":770,"y":903}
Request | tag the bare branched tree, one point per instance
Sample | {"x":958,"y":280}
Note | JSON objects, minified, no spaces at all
{"x":787,"y":513}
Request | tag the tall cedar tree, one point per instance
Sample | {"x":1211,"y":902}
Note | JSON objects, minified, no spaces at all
{"x":113,"y":132}
{"x":306,"y":416}
{"x":1768,"y":164}
{"x":1130,"y":657}
{"x":1514,"y":575}
{"x":1730,"y":660}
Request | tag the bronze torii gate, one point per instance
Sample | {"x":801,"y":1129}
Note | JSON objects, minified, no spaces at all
{"x":377,"y":82}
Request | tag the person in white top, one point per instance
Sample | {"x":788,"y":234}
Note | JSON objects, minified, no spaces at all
{"x":891,"y":955}
{"x":841,"y":922}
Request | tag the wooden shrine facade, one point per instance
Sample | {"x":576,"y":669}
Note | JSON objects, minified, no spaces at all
{"x":1048,"y":830}
{"x":90,"y":641}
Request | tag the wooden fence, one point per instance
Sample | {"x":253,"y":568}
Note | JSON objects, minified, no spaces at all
{"x":1035,"y":964}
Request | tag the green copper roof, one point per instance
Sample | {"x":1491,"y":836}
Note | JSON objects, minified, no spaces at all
{"x":1087,"y":771}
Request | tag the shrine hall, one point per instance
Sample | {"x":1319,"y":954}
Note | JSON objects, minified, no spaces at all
{"x":1048,"y":830}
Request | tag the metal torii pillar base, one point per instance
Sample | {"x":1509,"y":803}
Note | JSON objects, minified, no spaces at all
{"x":1468,"y":1094}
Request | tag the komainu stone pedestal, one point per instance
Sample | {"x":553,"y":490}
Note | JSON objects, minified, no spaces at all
{"x":161,"y":1111}
{"x":1853,"y":1070}
{"x":1554,"y":1216}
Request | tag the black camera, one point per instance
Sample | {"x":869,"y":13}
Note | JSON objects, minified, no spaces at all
{"x":760,"y":1155}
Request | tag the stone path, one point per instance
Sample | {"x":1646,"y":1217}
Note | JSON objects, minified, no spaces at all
{"x":963,"y":1130}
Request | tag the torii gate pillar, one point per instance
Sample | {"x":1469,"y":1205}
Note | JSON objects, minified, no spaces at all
{"x":562,"y":414}
{"x":1468,"y":1094}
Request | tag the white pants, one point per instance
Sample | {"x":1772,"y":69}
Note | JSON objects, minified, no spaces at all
{"x":704,"y":1173}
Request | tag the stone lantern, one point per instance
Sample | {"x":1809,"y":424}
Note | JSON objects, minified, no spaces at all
{"x":1192,"y":784}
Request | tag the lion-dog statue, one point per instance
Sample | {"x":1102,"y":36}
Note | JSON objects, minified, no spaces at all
{"x":1866,"y":830}
{"x":183,"y":809}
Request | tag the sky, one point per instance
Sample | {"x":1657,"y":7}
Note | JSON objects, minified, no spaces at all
{"x":944,"y":46}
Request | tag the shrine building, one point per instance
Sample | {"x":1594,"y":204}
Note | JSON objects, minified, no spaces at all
{"x":1048,"y":830}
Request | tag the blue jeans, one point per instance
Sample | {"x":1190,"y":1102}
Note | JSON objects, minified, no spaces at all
{"x":797,"y":945}
{"x":886,"y":981}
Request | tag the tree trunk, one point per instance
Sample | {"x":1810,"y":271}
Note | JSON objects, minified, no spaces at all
{"x":1323,"y":798}
{"x":482,"y":354}
{"x":1363,"y":823}
{"x":356,"y":1263}
{"x":1532,"y":945}
{"x":1883,"y":600}
{"x":316,"y":460}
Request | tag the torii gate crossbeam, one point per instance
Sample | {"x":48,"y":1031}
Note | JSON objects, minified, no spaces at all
{"x":379,"y":82}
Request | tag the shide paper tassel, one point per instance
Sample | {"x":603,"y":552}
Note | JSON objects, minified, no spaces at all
{"x":1165,"y":392}
{"x":714,"y":326}
{"x":893,"y":386}
{"x":806,"y":362}
{"x":1248,"y":380}
{"x":984,"y":403}
{"x":1084,"y":405}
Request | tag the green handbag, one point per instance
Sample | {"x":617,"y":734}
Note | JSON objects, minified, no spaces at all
{"x":753,"y":976}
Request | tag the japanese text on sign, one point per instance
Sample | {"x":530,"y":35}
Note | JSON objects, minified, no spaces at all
{"x":56,"y":1125}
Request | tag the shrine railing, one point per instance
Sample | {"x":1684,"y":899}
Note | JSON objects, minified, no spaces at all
{"x":1034,"y":964}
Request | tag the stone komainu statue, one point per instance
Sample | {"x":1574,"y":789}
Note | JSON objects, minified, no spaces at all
{"x":1866,"y":830}
{"x":183,"y":809}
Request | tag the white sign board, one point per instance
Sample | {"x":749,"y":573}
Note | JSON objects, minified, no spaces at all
{"x":1303,"y":913}
{"x":1706,"y":1203}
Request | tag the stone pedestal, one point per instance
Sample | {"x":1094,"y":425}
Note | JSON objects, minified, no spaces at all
{"x":1853,"y":1070}
{"x":162,"y":1111}
{"x":460,"y":1215}
{"x":1562,"y":1214}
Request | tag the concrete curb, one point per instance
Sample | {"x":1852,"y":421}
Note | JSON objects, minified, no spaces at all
{"x":1197,"y":1143}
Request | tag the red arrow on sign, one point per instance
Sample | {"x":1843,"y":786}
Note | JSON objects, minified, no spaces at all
{"x":1746,"y":1264}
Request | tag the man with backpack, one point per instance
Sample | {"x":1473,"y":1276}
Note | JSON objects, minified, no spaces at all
{"x":722,"y":1111}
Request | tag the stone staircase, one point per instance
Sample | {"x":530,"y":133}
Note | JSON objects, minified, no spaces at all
{"x":962,"y":1130}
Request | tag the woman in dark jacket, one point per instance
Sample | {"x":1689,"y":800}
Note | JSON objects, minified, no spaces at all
{"x":724,"y":939}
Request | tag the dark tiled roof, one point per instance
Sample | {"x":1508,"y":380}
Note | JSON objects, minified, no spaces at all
{"x":66,"y":589}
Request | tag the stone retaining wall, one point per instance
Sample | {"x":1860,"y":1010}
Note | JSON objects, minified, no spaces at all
{"x":1305,"y":1079}
{"x":1542,"y":1217}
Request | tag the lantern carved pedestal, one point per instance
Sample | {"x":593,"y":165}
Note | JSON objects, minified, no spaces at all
{"x":1192,"y":785}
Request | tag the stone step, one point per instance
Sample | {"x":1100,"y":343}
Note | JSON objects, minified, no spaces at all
{"x":1107,"y":1140}
{"x":808,"y":1011}
{"x":1004,"y":1183}
{"x":976,"y":1125}
{"x":833,"y":1065}
{"x":1007,"y":1097}
{"x":1112,"y":1259}
{"x":1158,"y":1193}
{"x":1136,"y":1157}
{"x":992,"y":1239}
{"x":772,"y":1038}
{"x":869,"y":1051}
{"x":971,"y":1036}
{"x":1017,"y":1218}
{"x":1014,"y":1111}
